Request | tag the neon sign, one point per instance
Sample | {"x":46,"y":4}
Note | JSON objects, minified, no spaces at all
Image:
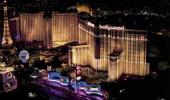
{"x":111,"y":27}
{"x":24,"y":55}
{"x":90,"y":24}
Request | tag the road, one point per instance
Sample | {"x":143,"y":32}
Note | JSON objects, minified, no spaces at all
{"x":55,"y":91}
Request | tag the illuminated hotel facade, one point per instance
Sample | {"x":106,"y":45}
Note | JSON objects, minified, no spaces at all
{"x":108,"y":48}
{"x":35,"y":27}
{"x":55,"y":31}
{"x":64,"y":28}
{"x":113,"y":49}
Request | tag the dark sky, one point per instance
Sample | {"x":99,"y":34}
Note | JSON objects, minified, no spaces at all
{"x":136,"y":6}
{"x":156,"y":6}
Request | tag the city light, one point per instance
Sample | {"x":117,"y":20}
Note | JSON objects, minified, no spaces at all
{"x":90,"y":24}
{"x":88,"y":88}
{"x":81,"y":53}
{"x":24,"y":56}
{"x":111,"y":27}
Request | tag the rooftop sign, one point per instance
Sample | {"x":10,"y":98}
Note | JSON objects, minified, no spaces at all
{"x":111,"y":27}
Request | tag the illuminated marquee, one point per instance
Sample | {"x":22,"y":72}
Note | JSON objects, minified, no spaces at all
{"x":94,"y":88}
{"x":111,"y":27}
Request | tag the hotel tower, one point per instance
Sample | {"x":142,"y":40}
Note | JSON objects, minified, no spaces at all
{"x":109,"y":48}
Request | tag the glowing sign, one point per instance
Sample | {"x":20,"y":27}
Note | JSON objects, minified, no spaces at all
{"x":53,"y":75}
{"x":111,"y":27}
{"x":94,"y":88}
{"x":24,"y":55}
{"x":90,"y":24}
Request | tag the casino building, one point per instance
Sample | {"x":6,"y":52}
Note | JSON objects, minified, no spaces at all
{"x":64,"y":28}
{"x":55,"y":31}
{"x":35,"y":27}
{"x":113,"y":49}
{"x":109,"y":48}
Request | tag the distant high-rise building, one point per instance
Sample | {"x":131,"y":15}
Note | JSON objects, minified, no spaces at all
{"x":6,"y":40}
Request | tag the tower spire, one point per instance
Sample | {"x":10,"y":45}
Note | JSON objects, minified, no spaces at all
{"x":6,"y":40}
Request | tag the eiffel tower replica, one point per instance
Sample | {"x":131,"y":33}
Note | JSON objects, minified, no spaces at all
{"x":6,"y":40}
